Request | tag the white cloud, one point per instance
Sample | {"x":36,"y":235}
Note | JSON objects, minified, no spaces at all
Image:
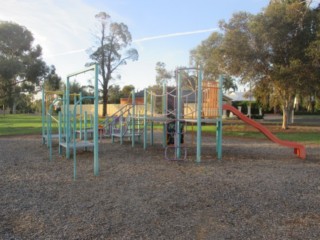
{"x":59,"y":26}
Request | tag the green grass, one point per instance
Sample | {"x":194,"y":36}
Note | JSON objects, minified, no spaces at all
{"x":20,"y":124}
{"x":303,"y":137}
{"x":24,"y":124}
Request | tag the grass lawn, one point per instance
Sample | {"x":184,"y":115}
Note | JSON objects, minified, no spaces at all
{"x":25,"y":124}
{"x":20,"y":124}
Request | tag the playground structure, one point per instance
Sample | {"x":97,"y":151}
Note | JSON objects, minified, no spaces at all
{"x":174,"y":108}
{"x":73,"y":130}
{"x":173,"y":111}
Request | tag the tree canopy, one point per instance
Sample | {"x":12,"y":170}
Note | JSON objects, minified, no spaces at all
{"x":111,"y":51}
{"x":274,"y":50}
{"x":21,"y":65}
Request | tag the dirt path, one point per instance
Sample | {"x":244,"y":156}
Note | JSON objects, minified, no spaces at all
{"x":258,"y":191}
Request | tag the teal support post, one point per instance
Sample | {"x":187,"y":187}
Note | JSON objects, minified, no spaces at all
{"x":178,"y":118}
{"x":74,"y":140}
{"x":96,"y":120}
{"x":60,"y":131}
{"x":133,"y":121}
{"x":80,"y":117}
{"x":85,"y":126}
{"x":151,"y":123}
{"x":219,"y":120}
{"x":164,"y":114}
{"x":145,"y":130}
{"x":49,"y":132}
{"x":68,"y":130}
{"x":112,"y":132}
{"x":139,"y":127}
{"x":43,"y":114}
{"x":65,"y":113}
{"x":96,"y":164}
{"x":199,"y":116}
{"x":121,"y":129}
{"x":74,"y":114}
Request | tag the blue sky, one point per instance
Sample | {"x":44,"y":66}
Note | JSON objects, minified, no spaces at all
{"x":163,"y":30}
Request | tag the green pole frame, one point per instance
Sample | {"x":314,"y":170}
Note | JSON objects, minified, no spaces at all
{"x":74,"y":139}
{"x":96,"y":122}
{"x":68,"y":131}
{"x":178,"y":118}
{"x":151,"y":123}
{"x":145,"y":130}
{"x":199,"y":116}
{"x":94,"y":68}
{"x":164,"y":113}
{"x":121,"y":129}
{"x":219,"y":120}
{"x":43,"y":114}
{"x":85,"y":126}
{"x":60,"y":131}
{"x":133,"y":121}
{"x":80,"y":117}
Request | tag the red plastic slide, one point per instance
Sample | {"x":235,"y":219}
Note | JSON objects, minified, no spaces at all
{"x":299,"y":149}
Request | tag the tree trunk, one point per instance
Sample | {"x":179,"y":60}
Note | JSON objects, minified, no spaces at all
{"x":287,"y":114}
{"x":104,"y":101}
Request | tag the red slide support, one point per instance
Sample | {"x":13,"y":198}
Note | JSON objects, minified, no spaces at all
{"x":299,"y":149}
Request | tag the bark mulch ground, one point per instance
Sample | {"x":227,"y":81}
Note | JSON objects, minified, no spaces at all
{"x":258,"y":191}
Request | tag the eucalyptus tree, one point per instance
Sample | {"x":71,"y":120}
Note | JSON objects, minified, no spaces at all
{"x":162,"y":74}
{"x":52,"y":80}
{"x":111,"y":51}
{"x":270,"y":49}
{"x":21,"y":65}
{"x":208,"y":55}
{"x":114,"y":94}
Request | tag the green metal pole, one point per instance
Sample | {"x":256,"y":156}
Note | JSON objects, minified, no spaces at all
{"x":121,"y":129}
{"x":151,"y":124}
{"x":50,"y":132}
{"x":199,"y":116}
{"x":219,"y":120}
{"x":85,"y":126}
{"x":74,"y":139}
{"x":178,"y":118}
{"x":133,"y":123}
{"x":68,"y":130}
{"x":164,"y":114}
{"x":145,"y":130}
{"x":65,"y":113}
{"x":60,"y":131}
{"x":96,"y":122}
{"x":80,"y":119}
{"x":74,"y":136}
{"x":43,"y":114}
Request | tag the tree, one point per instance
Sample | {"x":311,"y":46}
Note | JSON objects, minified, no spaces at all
{"x":114,"y":94}
{"x":21,"y":66}
{"x":189,"y":78}
{"x":270,"y":49}
{"x":126,"y":91}
{"x":111,"y":51}
{"x":229,"y":83}
{"x":208,"y":55}
{"x":162,"y":74}
{"x":52,"y":80}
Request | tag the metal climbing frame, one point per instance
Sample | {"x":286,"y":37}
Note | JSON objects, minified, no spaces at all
{"x":71,"y":135}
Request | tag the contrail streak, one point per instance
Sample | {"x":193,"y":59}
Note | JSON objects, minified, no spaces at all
{"x":170,"y":35}
{"x":174,"y":35}
{"x":67,"y":53}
